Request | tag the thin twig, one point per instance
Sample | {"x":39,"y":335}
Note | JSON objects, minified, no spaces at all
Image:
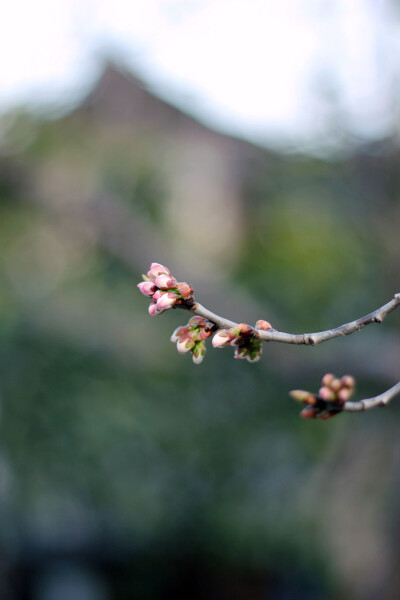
{"x":381,"y":400}
{"x":309,"y":339}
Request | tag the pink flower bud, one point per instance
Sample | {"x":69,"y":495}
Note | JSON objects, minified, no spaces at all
{"x":326,"y":393}
{"x":166,"y":301}
{"x":165,"y":282}
{"x":197,"y":359}
{"x":335,"y":384}
{"x":156,"y":269}
{"x":254,"y":356}
{"x":348,"y":381}
{"x":157,"y":294}
{"x":185,"y":344}
{"x":221,"y":338}
{"x":199,"y":352}
{"x":345,"y":394}
{"x":147,"y":288}
{"x":154,"y":310}
{"x":327,"y":379}
{"x":179,"y":332}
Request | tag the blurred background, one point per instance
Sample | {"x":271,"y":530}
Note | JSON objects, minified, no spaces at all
{"x":253,"y":148}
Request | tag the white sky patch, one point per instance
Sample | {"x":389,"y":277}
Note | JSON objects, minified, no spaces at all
{"x":262,"y":68}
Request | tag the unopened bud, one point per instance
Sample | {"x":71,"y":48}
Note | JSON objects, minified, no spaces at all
{"x":348,"y":381}
{"x":221,"y":338}
{"x":327,"y":379}
{"x":345,"y":394}
{"x":185,"y":344}
{"x":166,"y":301}
{"x":335,"y":384}
{"x":327,"y":394}
{"x":154,"y":310}
{"x":264,"y":325}
{"x":147,"y":288}
{"x":254,"y":355}
{"x":156,"y":270}
{"x":300,"y":395}
{"x":309,"y":412}
{"x":199,"y":352}
{"x":165,"y":282}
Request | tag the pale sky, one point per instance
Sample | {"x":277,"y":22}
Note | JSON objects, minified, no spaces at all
{"x":280,"y":71}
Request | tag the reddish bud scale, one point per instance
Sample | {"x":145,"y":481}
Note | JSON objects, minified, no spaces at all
{"x":264,"y":325}
{"x":309,"y":412}
{"x":190,"y":338}
{"x":185,"y":290}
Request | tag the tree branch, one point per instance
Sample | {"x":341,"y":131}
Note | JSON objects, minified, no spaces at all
{"x":309,"y":339}
{"x":381,"y":400}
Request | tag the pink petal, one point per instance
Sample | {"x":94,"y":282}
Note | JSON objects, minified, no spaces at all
{"x":166,"y":301}
{"x":165,"y":282}
{"x":179,"y":332}
{"x":221,"y":339}
{"x":147,"y":288}
{"x":184,"y":344}
{"x":154,"y":310}
{"x":156,"y":269}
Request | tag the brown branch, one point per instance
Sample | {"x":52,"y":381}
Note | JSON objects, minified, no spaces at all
{"x":381,"y":400}
{"x":309,"y":339}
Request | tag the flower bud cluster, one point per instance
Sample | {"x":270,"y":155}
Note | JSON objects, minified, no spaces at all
{"x":164,"y":290}
{"x":191,"y":337}
{"x":329,"y":401}
{"x":243,"y":337}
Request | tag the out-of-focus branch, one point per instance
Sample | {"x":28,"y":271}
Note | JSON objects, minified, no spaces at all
{"x":334,"y":397}
{"x":381,"y":400}
{"x":309,"y":339}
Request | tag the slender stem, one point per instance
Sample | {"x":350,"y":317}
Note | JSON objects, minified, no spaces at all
{"x":381,"y":400}
{"x":309,"y":339}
